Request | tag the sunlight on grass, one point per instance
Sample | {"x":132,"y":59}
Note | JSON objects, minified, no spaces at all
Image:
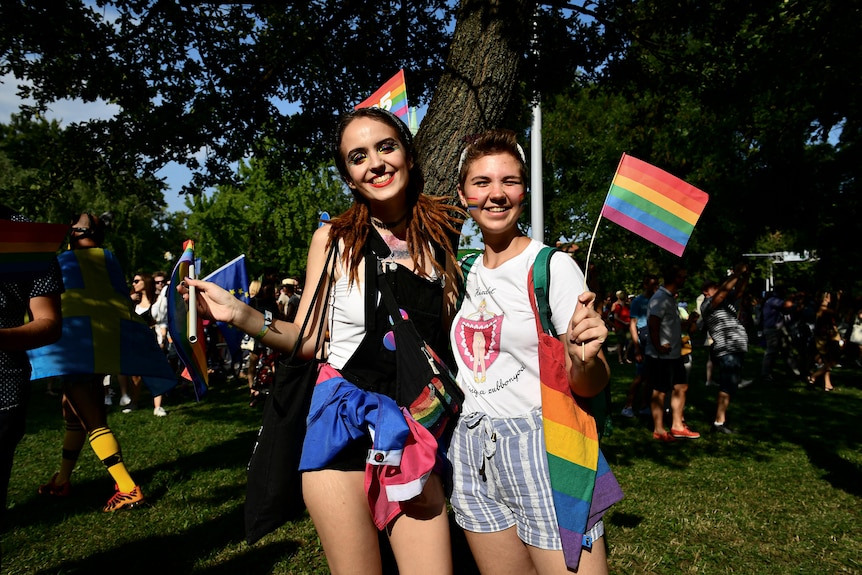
{"x":782,"y":496}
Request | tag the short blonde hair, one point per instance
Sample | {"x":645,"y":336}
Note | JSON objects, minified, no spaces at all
{"x":253,"y":288}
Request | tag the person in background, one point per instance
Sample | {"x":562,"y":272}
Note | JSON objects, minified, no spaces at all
{"x":621,"y":318}
{"x":730,"y":338}
{"x":503,"y":492}
{"x":144,"y":296}
{"x":775,"y":334}
{"x":35,"y":299}
{"x":665,"y":364}
{"x":828,"y":343}
{"x":84,"y":409}
{"x":638,"y":313}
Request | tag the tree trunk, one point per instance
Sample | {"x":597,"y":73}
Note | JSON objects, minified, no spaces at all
{"x":488,"y":47}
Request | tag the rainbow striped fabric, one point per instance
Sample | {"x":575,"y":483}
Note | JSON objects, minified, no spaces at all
{"x":582,"y":483}
{"x":192,"y":354}
{"x":654,"y":204}
{"x":101,"y":331}
{"x":28,"y":247}
{"x":391,"y":96}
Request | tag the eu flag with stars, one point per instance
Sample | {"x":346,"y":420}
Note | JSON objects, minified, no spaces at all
{"x":233,"y":277}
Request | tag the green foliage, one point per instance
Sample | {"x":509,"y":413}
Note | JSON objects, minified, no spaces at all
{"x":225,"y":77}
{"x":41,"y":177}
{"x":268,"y":218}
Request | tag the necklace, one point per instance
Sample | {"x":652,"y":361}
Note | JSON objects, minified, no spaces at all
{"x":380,"y":224}
{"x":398,"y":249}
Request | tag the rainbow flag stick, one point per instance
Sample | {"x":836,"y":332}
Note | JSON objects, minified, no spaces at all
{"x":193,"y":307}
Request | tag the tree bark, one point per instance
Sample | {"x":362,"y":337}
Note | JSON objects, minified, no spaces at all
{"x":482,"y":71}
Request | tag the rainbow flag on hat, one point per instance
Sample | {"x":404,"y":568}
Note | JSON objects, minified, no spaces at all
{"x":28,"y":248}
{"x":654,"y":204}
{"x":391,"y":96}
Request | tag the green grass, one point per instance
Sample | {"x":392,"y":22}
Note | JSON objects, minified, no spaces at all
{"x":783,"y":496}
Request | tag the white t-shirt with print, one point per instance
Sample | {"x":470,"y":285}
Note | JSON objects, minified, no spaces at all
{"x":494,"y":337}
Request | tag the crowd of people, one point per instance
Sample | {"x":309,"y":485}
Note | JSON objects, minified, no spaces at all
{"x":810,"y":335}
{"x":493,"y":470}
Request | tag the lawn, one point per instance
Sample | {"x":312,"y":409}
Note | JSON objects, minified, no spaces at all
{"x":782,"y":496}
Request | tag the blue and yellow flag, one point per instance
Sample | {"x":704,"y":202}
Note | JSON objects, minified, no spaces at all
{"x":101,"y":331}
{"x":233,"y":277}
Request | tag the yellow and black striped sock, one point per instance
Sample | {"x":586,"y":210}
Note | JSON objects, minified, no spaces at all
{"x":107,"y":449}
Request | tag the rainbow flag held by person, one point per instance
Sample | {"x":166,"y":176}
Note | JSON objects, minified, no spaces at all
{"x":654,"y":204}
{"x":102,"y":334}
{"x":185,"y":328}
{"x":391,"y":96}
{"x":233,"y":277}
{"x":28,"y":248}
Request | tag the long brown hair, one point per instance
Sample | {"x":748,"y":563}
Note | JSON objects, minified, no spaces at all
{"x":429,"y":220}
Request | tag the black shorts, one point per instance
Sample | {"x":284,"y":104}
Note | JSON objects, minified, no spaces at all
{"x":663,"y":374}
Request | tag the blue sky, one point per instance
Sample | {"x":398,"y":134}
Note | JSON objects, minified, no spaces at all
{"x":69,"y":111}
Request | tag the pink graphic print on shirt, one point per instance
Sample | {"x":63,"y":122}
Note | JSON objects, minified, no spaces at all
{"x":478,"y":340}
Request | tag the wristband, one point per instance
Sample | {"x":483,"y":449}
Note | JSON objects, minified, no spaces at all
{"x":267,"y":321}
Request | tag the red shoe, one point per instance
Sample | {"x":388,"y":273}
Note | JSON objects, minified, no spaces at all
{"x":684,"y":433}
{"x":122,"y":500}
{"x":663,"y":437}
{"x":53,"y":490}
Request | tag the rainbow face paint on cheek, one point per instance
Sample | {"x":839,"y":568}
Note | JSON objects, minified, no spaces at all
{"x":472,"y":203}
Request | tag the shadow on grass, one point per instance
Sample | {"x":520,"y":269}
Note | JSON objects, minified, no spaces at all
{"x":180,"y":553}
{"x":768,"y":417}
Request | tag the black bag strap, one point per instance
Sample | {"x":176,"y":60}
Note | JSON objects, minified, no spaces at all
{"x":328,"y":269}
{"x":388,"y":296}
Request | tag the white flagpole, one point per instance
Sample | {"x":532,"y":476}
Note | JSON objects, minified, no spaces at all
{"x":536,"y":190}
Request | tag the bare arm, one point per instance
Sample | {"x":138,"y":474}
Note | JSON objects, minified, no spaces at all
{"x":45,"y":326}
{"x":216,"y":303}
{"x":737,"y":281}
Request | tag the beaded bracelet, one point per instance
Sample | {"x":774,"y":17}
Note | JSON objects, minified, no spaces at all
{"x":267,"y":321}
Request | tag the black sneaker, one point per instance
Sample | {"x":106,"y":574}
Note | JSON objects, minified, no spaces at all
{"x":722,"y":429}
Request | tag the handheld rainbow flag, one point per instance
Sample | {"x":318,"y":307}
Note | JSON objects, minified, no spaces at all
{"x":28,"y":247}
{"x":101,"y":331}
{"x":391,"y":96}
{"x":185,"y":328}
{"x":654,"y":204}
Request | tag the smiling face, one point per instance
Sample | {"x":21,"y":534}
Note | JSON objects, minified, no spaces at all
{"x":377,"y":165}
{"x":493,"y":192}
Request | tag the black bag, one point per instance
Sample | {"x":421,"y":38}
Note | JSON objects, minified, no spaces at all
{"x":424,"y":385}
{"x":274,"y":487}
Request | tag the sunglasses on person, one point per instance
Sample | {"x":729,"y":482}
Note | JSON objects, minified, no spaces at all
{"x":136,"y":281}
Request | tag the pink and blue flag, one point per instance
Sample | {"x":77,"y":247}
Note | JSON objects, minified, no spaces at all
{"x":654,"y":204}
{"x":185,"y":328}
{"x":391,"y":96}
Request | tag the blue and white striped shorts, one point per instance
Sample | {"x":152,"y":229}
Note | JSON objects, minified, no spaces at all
{"x":501,"y":479}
